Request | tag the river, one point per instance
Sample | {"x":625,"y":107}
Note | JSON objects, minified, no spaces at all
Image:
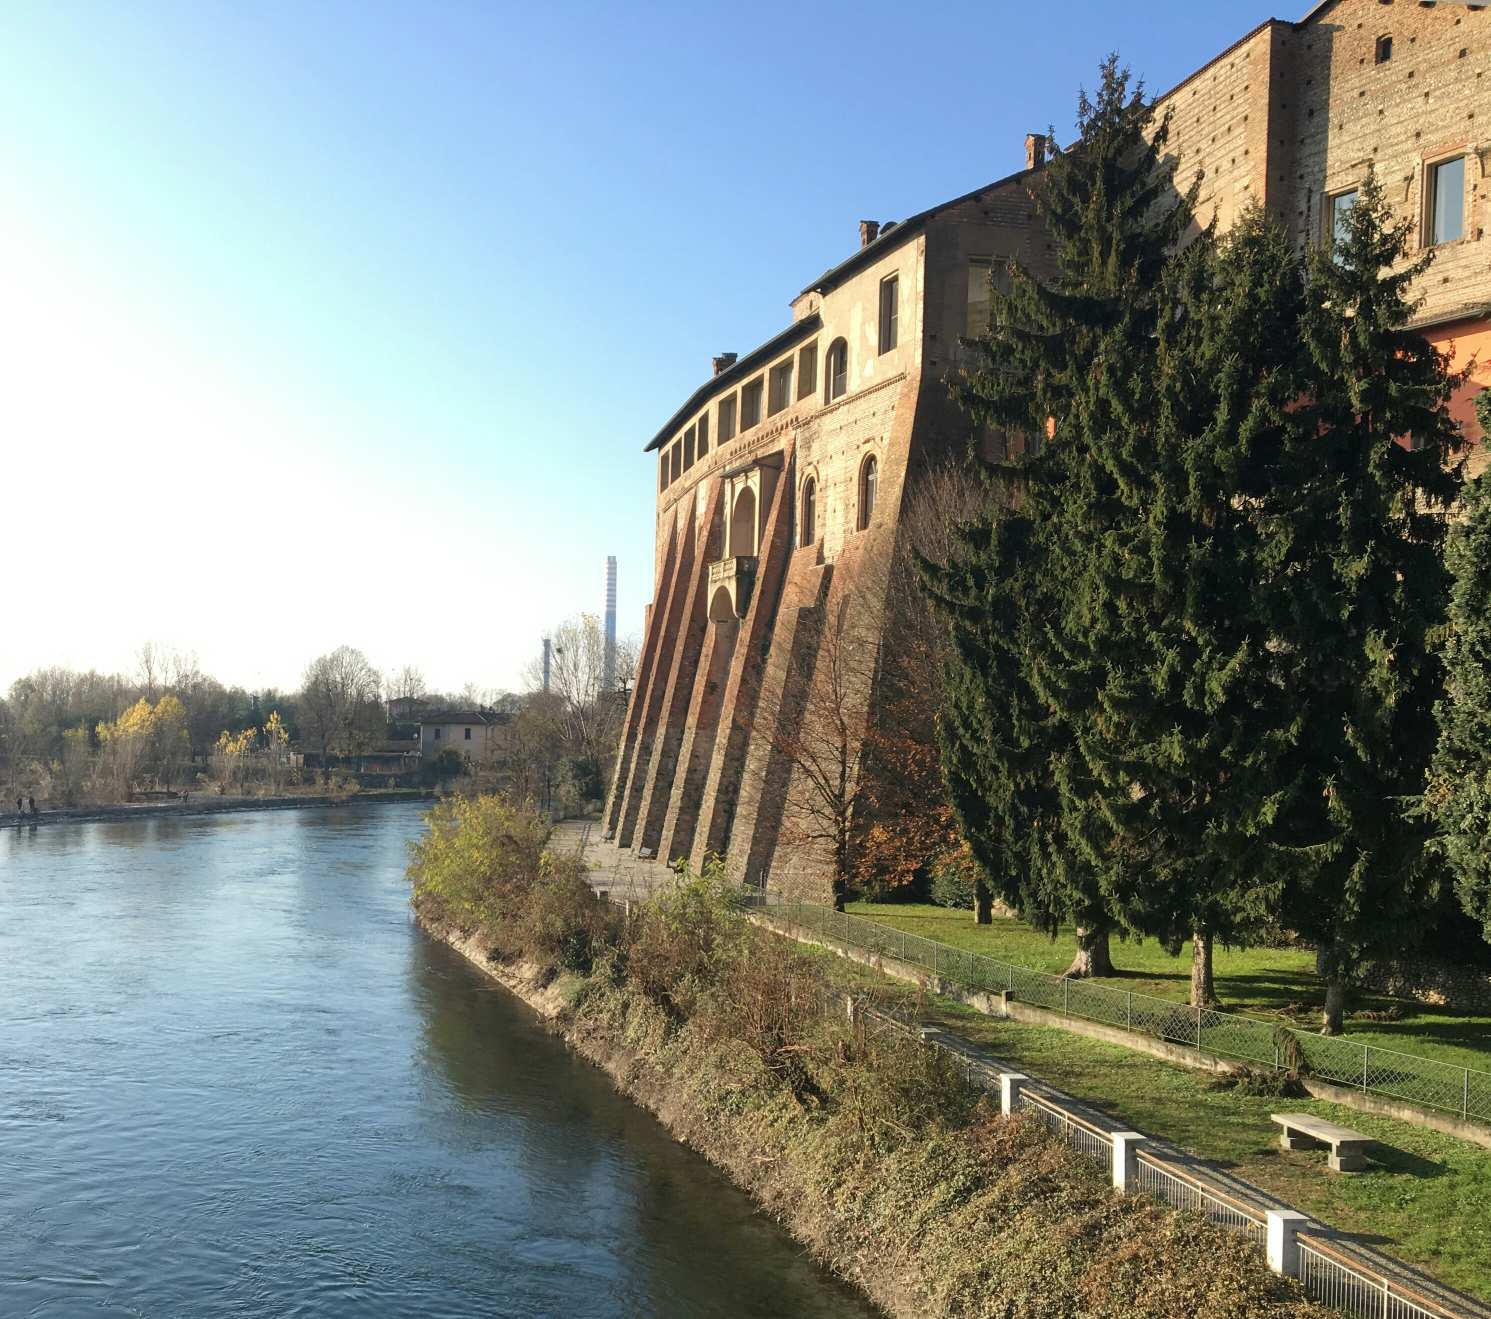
{"x":237,"y":1080}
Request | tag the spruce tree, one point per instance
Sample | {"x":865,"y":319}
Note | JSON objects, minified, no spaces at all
{"x":1066,"y":346}
{"x":1186,"y":738}
{"x":1354,"y":588}
{"x":1459,"y":796}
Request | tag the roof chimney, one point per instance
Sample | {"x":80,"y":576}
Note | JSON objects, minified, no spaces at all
{"x":723,"y":363}
{"x":1035,"y":150}
{"x":869,"y":231}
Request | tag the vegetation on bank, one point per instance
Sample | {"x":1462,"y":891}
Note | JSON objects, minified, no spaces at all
{"x":879,"y":1157}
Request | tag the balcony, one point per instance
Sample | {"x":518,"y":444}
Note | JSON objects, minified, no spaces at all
{"x":730,"y":584}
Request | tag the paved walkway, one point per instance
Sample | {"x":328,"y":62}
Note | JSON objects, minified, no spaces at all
{"x":612,"y":870}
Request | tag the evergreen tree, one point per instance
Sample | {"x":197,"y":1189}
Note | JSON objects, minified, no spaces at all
{"x":1186,"y":736}
{"x":1460,"y":788}
{"x":1354,"y":587}
{"x":1067,"y":351}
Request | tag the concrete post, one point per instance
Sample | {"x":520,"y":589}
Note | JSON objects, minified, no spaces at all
{"x":851,"y":1007}
{"x":1010,"y":1084}
{"x":1125,"y":1144}
{"x":1283,"y":1241}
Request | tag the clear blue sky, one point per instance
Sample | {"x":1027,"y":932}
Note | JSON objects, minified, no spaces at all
{"x":338,"y":322}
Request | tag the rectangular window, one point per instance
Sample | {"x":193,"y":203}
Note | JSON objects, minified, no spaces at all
{"x":703,"y":435}
{"x":677,"y":461}
{"x":781,"y":387}
{"x":727,"y":419}
{"x":807,"y":371}
{"x":890,"y":296}
{"x":468,"y":735}
{"x":1336,"y":213}
{"x":662,"y":471}
{"x":977,"y":323}
{"x":1447,"y":201}
{"x":688,"y":448}
{"x":750,"y":405}
{"x":437,"y":735}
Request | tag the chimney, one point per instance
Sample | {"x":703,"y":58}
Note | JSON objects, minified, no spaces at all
{"x":723,"y":363}
{"x":869,"y":231}
{"x":1035,"y":150}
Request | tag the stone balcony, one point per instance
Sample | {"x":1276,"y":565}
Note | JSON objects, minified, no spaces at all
{"x":736,"y":576}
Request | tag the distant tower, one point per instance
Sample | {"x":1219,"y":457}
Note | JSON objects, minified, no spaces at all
{"x":608,"y":670}
{"x":547,"y":648}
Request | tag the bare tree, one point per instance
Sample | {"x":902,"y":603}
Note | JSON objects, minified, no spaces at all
{"x":590,"y":717}
{"x":406,"y":684}
{"x":339,"y":708}
{"x":819,"y":739}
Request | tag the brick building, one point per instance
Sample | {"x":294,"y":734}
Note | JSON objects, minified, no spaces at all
{"x":782,"y":478}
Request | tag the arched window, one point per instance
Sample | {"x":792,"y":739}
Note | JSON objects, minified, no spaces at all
{"x":743,"y":525}
{"x":836,"y":372}
{"x":809,"y":512}
{"x":868,"y":474}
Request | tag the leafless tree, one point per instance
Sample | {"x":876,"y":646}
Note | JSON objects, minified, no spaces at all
{"x":590,"y":717}
{"x":819,"y":738}
{"x":407,"y":683}
{"x":340,"y":712}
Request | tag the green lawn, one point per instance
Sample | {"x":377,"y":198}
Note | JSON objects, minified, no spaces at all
{"x":1426,"y":1199}
{"x":1254,"y":981}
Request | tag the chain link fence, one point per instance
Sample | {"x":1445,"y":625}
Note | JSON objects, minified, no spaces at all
{"x":1366,"y":1067}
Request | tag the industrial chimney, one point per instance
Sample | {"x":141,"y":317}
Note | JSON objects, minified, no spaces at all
{"x":608,"y":671}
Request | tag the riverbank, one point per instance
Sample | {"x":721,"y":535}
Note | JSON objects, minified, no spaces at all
{"x":205,"y":804}
{"x":892,"y":1175}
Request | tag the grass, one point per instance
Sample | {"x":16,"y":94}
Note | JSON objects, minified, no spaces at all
{"x":1254,"y":981}
{"x":1426,"y":1199}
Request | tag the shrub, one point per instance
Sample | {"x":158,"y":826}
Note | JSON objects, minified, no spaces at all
{"x":680,"y":936}
{"x":564,"y":924}
{"x":952,"y":882}
{"x":476,"y":863}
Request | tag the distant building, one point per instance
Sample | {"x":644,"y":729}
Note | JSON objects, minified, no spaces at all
{"x":480,"y":737}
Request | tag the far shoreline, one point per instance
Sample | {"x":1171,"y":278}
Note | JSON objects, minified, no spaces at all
{"x":209,"y":804}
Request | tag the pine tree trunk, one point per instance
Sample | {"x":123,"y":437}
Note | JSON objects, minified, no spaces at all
{"x":1332,"y":1017}
{"x":1093,"y":956}
{"x":983,"y":904}
{"x":1203,"y":986}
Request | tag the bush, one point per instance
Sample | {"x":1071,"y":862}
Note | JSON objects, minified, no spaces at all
{"x":952,"y":883}
{"x":476,"y":864}
{"x":680,"y":936}
{"x":564,"y":924}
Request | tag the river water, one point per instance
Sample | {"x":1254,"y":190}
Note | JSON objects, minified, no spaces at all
{"x":236,"y":1080}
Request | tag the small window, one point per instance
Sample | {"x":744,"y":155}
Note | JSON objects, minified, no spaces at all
{"x":807,"y":371}
{"x":781,"y":387}
{"x":750,"y":405}
{"x":890,"y":297}
{"x":727,"y":419}
{"x":977,"y":323}
{"x":809,"y":512}
{"x":677,"y":461}
{"x":688,"y":448}
{"x":662,"y":471}
{"x":837,"y":369}
{"x":437,"y":735}
{"x":703,"y":435}
{"x":468,"y":735}
{"x":1384,"y":49}
{"x":868,"y":477}
{"x":1447,"y":201}
{"x":1340,"y":208}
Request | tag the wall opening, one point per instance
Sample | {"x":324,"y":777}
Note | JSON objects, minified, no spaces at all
{"x":743,"y":525}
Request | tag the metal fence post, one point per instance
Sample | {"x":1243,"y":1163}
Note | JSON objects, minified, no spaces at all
{"x":1128,"y":1011}
{"x":1465,"y":1102}
{"x":1066,"y":997}
{"x":935,"y":946}
{"x":1198,"y":1028}
{"x":1365,"y":1049}
{"x":903,"y":945}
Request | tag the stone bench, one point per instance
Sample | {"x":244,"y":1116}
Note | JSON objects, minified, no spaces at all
{"x":1301,"y":1131}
